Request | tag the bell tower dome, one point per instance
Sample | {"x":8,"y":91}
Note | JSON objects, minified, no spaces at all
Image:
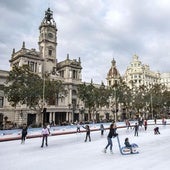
{"x":48,"y":41}
{"x":113,"y":76}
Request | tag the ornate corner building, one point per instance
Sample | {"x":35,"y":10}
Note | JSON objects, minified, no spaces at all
{"x":138,"y":74}
{"x":44,"y":62}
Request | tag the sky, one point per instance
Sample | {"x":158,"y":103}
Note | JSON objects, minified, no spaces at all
{"x":71,"y":152}
{"x":94,"y":30}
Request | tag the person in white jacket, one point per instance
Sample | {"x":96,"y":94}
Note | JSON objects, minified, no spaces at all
{"x":45,"y":133}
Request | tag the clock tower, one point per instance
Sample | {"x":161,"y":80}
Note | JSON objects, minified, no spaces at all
{"x":48,"y":42}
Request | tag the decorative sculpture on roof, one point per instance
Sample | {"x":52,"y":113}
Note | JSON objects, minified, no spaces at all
{"x":48,"y":15}
{"x":48,"y":19}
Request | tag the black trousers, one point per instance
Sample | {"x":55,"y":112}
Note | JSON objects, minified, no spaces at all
{"x":87,"y":136}
{"x":44,"y":138}
{"x":23,"y":137}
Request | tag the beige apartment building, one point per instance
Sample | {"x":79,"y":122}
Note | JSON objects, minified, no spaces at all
{"x":165,"y":79}
{"x":138,"y":74}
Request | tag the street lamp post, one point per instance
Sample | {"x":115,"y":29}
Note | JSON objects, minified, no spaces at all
{"x":151,"y":106}
{"x":115,"y":105}
{"x":69,"y":106}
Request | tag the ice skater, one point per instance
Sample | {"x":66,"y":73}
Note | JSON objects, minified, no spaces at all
{"x":102,"y":129}
{"x":45,"y":133}
{"x":112,"y":133}
{"x":145,"y":124}
{"x":24,"y":133}
{"x":136,"y":128}
{"x":78,"y":127}
{"x":128,"y":124}
{"x":156,"y":131}
{"x":87,"y":127}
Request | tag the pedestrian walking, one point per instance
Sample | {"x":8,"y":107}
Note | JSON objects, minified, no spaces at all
{"x":23,"y":133}
{"x":45,"y":133}
{"x":112,"y":133}
{"x":87,"y":127}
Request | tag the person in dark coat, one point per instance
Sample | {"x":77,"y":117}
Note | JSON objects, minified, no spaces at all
{"x":156,"y":131}
{"x":87,"y":127}
{"x":24,"y":133}
{"x":102,"y":129}
{"x":136,"y":128}
{"x":112,"y":133}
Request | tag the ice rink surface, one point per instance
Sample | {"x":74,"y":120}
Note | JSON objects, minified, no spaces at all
{"x":70,"y":152}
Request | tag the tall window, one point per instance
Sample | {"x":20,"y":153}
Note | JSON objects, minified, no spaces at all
{"x":62,"y":73}
{"x":33,"y":66}
{"x":74,"y":74}
{"x":50,"y":52}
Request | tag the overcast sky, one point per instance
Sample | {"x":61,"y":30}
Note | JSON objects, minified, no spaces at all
{"x":94,"y":30}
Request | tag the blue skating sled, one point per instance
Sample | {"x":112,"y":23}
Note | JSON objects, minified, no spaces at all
{"x":126,"y":151}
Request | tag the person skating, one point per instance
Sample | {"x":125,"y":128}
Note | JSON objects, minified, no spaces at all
{"x":87,"y":127}
{"x":136,"y":128}
{"x":128,"y":124}
{"x":102,"y":129}
{"x":112,"y":133}
{"x":156,"y":131}
{"x":45,"y":133}
{"x":145,"y":124}
{"x":78,"y":127}
{"x":23,"y":133}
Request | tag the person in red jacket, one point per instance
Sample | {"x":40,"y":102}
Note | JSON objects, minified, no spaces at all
{"x":145,"y":124}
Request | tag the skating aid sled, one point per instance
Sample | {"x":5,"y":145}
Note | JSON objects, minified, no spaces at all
{"x":126,"y":151}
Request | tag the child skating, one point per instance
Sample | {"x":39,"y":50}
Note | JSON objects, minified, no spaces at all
{"x":128,"y":145}
{"x":87,"y":133}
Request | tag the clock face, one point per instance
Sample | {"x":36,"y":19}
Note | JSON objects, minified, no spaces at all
{"x":50,"y":35}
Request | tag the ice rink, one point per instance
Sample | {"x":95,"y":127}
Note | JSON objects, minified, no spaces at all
{"x":70,"y":152}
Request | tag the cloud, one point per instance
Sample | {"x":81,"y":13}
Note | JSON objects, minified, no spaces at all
{"x":95,"y":30}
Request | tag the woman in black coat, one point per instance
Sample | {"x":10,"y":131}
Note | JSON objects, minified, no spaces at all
{"x":112,"y":133}
{"x":24,"y":134}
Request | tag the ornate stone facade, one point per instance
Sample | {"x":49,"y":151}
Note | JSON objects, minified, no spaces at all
{"x":139,"y":74}
{"x":44,"y":62}
{"x":113,"y":76}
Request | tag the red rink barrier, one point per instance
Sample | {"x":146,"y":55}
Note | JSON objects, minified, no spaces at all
{"x":4,"y":139}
